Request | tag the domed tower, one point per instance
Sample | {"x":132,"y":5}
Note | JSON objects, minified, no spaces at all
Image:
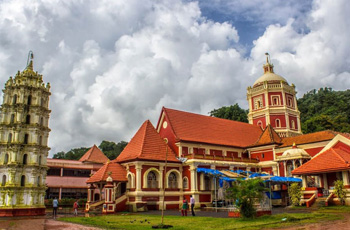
{"x":24,"y":135}
{"x":272,"y":101}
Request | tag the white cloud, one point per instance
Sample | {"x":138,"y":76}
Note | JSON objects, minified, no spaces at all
{"x":114,"y":64}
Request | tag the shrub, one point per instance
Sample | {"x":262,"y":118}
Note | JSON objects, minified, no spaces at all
{"x":339,"y":191}
{"x":295,"y":194}
{"x":246,"y":193}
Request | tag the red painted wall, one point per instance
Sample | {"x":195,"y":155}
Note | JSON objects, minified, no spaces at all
{"x":277,"y":94}
{"x":293,"y":118}
{"x":169,"y":134}
{"x":268,"y":155}
{"x":262,"y":119}
{"x":281,"y":117}
{"x":342,"y":146}
{"x":313,"y":151}
{"x":268,"y":170}
{"x":263,"y":100}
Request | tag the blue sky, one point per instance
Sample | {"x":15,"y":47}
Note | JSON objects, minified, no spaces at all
{"x":114,"y":64}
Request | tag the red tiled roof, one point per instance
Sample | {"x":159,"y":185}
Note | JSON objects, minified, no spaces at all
{"x":118,"y":173}
{"x":309,"y":138}
{"x":94,"y":155}
{"x":331,"y":160}
{"x":147,"y":145}
{"x":269,"y":136}
{"x":205,"y":129}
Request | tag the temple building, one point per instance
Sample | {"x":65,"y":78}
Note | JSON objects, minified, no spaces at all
{"x":67,"y":178}
{"x":24,"y":132}
{"x":160,"y":164}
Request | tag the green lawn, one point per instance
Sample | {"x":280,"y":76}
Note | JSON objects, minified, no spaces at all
{"x":133,"y":221}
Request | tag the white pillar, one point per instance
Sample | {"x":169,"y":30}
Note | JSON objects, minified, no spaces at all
{"x":345,"y":177}
{"x":193,"y":178}
{"x":303,"y":177}
{"x":325,"y":182}
{"x":138,"y":177}
{"x":285,"y":168}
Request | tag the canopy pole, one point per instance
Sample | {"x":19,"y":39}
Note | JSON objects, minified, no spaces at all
{"x":270,"y":197}
{"x":216,"y":203}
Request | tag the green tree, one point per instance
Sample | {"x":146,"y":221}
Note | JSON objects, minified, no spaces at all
{"x":325,"y":109}
{"x":232,"y":112}
{"x":295,"y":194}
{"x":245,"y":193}
{"x":111,"y":149}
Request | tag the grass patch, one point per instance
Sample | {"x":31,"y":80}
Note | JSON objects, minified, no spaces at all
{"x":136,"y":222}
{"x":335,"y":209}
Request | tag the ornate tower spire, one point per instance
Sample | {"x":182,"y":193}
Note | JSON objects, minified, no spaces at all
{"x":30,"y":60}
{"x":24,"y":135}
{"x":272,"y":101}
{"x":268,"y":67}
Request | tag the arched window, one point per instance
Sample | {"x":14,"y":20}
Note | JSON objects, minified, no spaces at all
{"x":14,"y":100}
{"x":6,"y":159}
{"x":293,"y":125}
{"x":23,"y":180}
{"x":185,"y":183}
{"x":38,"y":181}
{"x":152,"y":180}
{"x":3,"y":180}
{"x":9,"y":139}
{"x":28,"y":119}
{"x":260,"y":123}
{"x":40,"y":140}
{"x":278,"y":123}
{"x":206,"y":182}
{"x":41,"y":121}
{"x":42,"y":102}
{"x":25,"y":159}
{"x":29,"y":100}
{"x":26,"y":138}
{"x":39,"y":160}
{"x":172,"y":180}
{"x":12,"y":119}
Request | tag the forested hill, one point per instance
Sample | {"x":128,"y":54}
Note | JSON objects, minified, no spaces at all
{"x":109,"y":148}
{"x":319,"y":110}
{"x":325,"y":109}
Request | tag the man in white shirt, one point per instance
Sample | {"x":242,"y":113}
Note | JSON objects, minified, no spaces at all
{"x":192,"y":202}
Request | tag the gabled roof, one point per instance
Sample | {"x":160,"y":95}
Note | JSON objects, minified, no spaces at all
{"x":331,"y":160}
{"x":309,"y":138}
{"x":211,"y":130}
{"x":269,"y":136}
{"x":147,"y":144}
{"x":118,"y":173}
{"x":94,"y":155}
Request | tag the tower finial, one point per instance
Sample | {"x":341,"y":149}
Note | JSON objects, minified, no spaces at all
{"x":268,"y":67}
{"x":30,"y":60}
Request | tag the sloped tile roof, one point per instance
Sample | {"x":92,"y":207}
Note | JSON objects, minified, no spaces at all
{"x":211,"y":130}
{"x":94,"y":155}
{"x":331,"y":160}
{"x":309,"y":138}
{"x":118,"y":173}
{"x":269,"y":136}
{"x":147,"y":144}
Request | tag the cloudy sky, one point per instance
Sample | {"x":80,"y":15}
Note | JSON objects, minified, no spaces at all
{"x":112,"y":64}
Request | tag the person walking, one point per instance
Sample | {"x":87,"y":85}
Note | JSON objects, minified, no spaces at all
{"x":54,"y":206}
{"x":184,"y":207}
{"x":75,"y":208}
{"x":192,"y":202}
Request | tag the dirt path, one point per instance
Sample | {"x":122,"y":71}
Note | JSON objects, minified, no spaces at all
{"x":40,"y":224}
{"x":343,"y":224}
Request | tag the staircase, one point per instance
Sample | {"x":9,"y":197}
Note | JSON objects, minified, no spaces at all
{"x":320,"y":202}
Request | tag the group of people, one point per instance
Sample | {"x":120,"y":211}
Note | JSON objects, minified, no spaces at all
{"x":55,"y":207}
{"x":185,"y":206}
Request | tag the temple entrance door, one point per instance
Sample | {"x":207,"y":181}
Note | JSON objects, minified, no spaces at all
{"x":97,"y":196}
